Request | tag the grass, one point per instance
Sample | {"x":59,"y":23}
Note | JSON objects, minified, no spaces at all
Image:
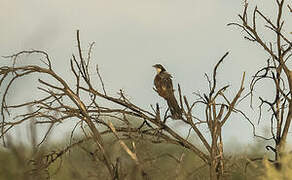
{"x":160,"y":161}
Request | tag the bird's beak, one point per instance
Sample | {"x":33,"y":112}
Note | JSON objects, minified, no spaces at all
{"x":153,"y":66}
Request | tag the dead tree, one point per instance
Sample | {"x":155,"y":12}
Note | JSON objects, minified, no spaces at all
{"x":83,"y":104}
{"x":276,"y":70}
{"x":218,"y":108}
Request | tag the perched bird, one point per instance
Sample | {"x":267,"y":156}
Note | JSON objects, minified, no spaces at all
{"x":164,"y":88}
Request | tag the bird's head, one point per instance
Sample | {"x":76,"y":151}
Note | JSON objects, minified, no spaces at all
{"x":159,"y":68}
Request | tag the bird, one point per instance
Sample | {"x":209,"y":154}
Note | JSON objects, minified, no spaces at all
{"x":164,"y":88}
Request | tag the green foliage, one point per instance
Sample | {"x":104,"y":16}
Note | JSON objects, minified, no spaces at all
{"x":160,"y":161}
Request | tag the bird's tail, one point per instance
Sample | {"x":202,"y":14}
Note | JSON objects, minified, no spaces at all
{"x":175,"y":110}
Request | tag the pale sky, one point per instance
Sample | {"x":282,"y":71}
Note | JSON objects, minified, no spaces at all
{"x":187,"y":36}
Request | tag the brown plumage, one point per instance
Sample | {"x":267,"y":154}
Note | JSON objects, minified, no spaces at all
{"x":164,"y":88}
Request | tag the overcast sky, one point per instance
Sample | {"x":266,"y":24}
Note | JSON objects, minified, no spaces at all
{"x":187,"y":36}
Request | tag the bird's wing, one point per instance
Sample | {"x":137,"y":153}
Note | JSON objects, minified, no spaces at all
{"x":166,"y":83}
